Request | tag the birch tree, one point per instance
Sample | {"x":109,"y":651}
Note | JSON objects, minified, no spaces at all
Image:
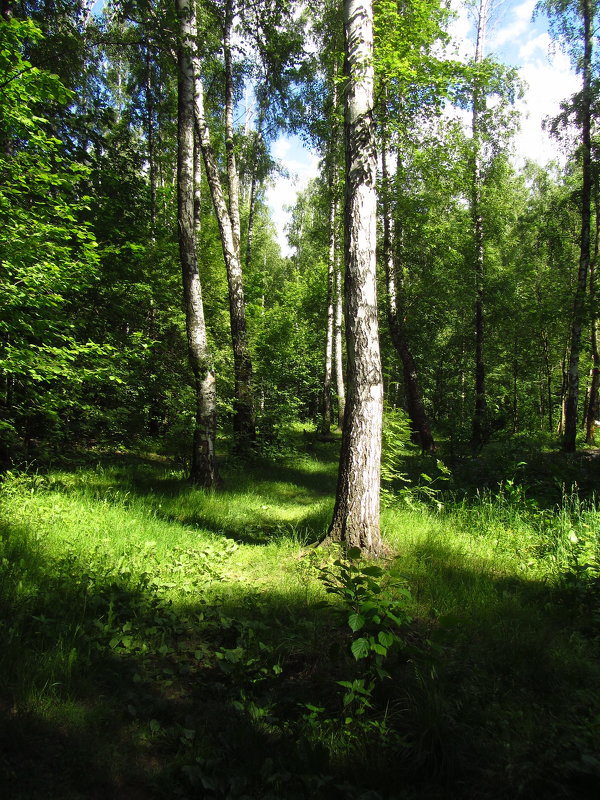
{"x":356,"y":513}
{"x":203,"y":469}
{"x":333,"y":281}
{"x":227,"y":210}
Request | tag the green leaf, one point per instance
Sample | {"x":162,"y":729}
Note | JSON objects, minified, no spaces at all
{"x":360,"y":648}
{"x":386,"y":638}
{"x":354,"y":552}
{"x":375,"y":572}
{"x":356,"y":622}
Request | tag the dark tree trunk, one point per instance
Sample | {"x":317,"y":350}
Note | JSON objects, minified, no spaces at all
{"x":570,"y":432}
{"x":414,"y":400}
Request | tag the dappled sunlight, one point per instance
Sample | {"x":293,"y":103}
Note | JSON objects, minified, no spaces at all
{"x":164,"y":637}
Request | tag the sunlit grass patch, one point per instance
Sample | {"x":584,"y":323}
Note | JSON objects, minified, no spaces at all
{"x":141,"y":615}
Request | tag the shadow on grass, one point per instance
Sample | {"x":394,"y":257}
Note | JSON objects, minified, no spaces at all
{"x":545,"y":477}
{"x":108,"y":691}
{"x":260,"y":502}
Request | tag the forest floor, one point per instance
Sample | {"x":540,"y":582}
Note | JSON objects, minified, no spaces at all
{"x":160,"y":641}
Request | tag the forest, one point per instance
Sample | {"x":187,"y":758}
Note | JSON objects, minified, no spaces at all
{"x":312,"y":522}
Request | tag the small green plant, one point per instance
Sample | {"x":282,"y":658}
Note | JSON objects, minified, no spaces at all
{"x":374,"y":604}
{"x":395,"y":444}
{"x":428,"y":491}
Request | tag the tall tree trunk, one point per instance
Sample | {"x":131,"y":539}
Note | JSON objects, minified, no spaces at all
{"x":232,"y":172}
{"x":414,"y":400}
{"x":340,"y":386}
{"x":331,"y":256}
{"x":197,"y":185}
{"x":560,"y":428}
{"x":253,"y":190}
{"x":229,"y":228}
{"x":478,"y":431}
{"x":593,"y":408}
{"x":548,"y":380}
{"x":356,"y":513}
{"x":570,"y":433}
{"x":326,"y":408}
{"x":151,"y":142}
{"x":203,"y":463}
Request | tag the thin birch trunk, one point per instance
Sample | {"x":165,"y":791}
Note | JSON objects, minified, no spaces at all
{"x":560,"y":429}
{"x":356,"y":514}
{"x":197,"y":185}
{"x":548,"y":380}
{"x":203,"y":463}
{"x":414,"y":399}
{"x":331,"y":254}
{"x":593,"y":409}
{"x":326,"y":409}
{"x":229,"y":229}
{"x":232,"y":172}
{"x":253,"y":190}
{"x":340,"y":386}
{"x":478,"y":430}
{"x":151,"y":142}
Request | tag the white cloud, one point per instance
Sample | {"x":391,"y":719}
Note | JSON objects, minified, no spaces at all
{"x":538,"y":45}
{"x":280,"y":148}
{"x":550,"y":80}
{"x":520,"y":22}
{"x":459,"y":30}
{"x":302,"y":166}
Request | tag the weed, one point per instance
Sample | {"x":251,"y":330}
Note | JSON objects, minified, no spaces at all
{"x":375,"y":606}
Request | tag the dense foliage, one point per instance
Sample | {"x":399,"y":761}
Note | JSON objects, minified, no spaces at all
{"x":93,"y":345}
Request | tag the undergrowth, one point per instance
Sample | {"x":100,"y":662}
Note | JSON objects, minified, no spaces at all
{"x":162,"y":641}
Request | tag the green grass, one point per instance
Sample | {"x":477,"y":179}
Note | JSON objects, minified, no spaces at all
{"x":160,"y":641}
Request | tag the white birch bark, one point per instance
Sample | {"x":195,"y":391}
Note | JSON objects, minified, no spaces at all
{"x":329,"y":334}
{"x":340,"y":384}
{"x":244,"y":426}
{"x":203,"y":463}
{"x":356,"y":513}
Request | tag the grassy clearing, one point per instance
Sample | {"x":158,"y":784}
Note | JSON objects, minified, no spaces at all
{"x":160,"y":641}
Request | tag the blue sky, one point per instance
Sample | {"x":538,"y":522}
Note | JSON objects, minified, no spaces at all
{"x":518,"y":41}
{"x":514,"y":39}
